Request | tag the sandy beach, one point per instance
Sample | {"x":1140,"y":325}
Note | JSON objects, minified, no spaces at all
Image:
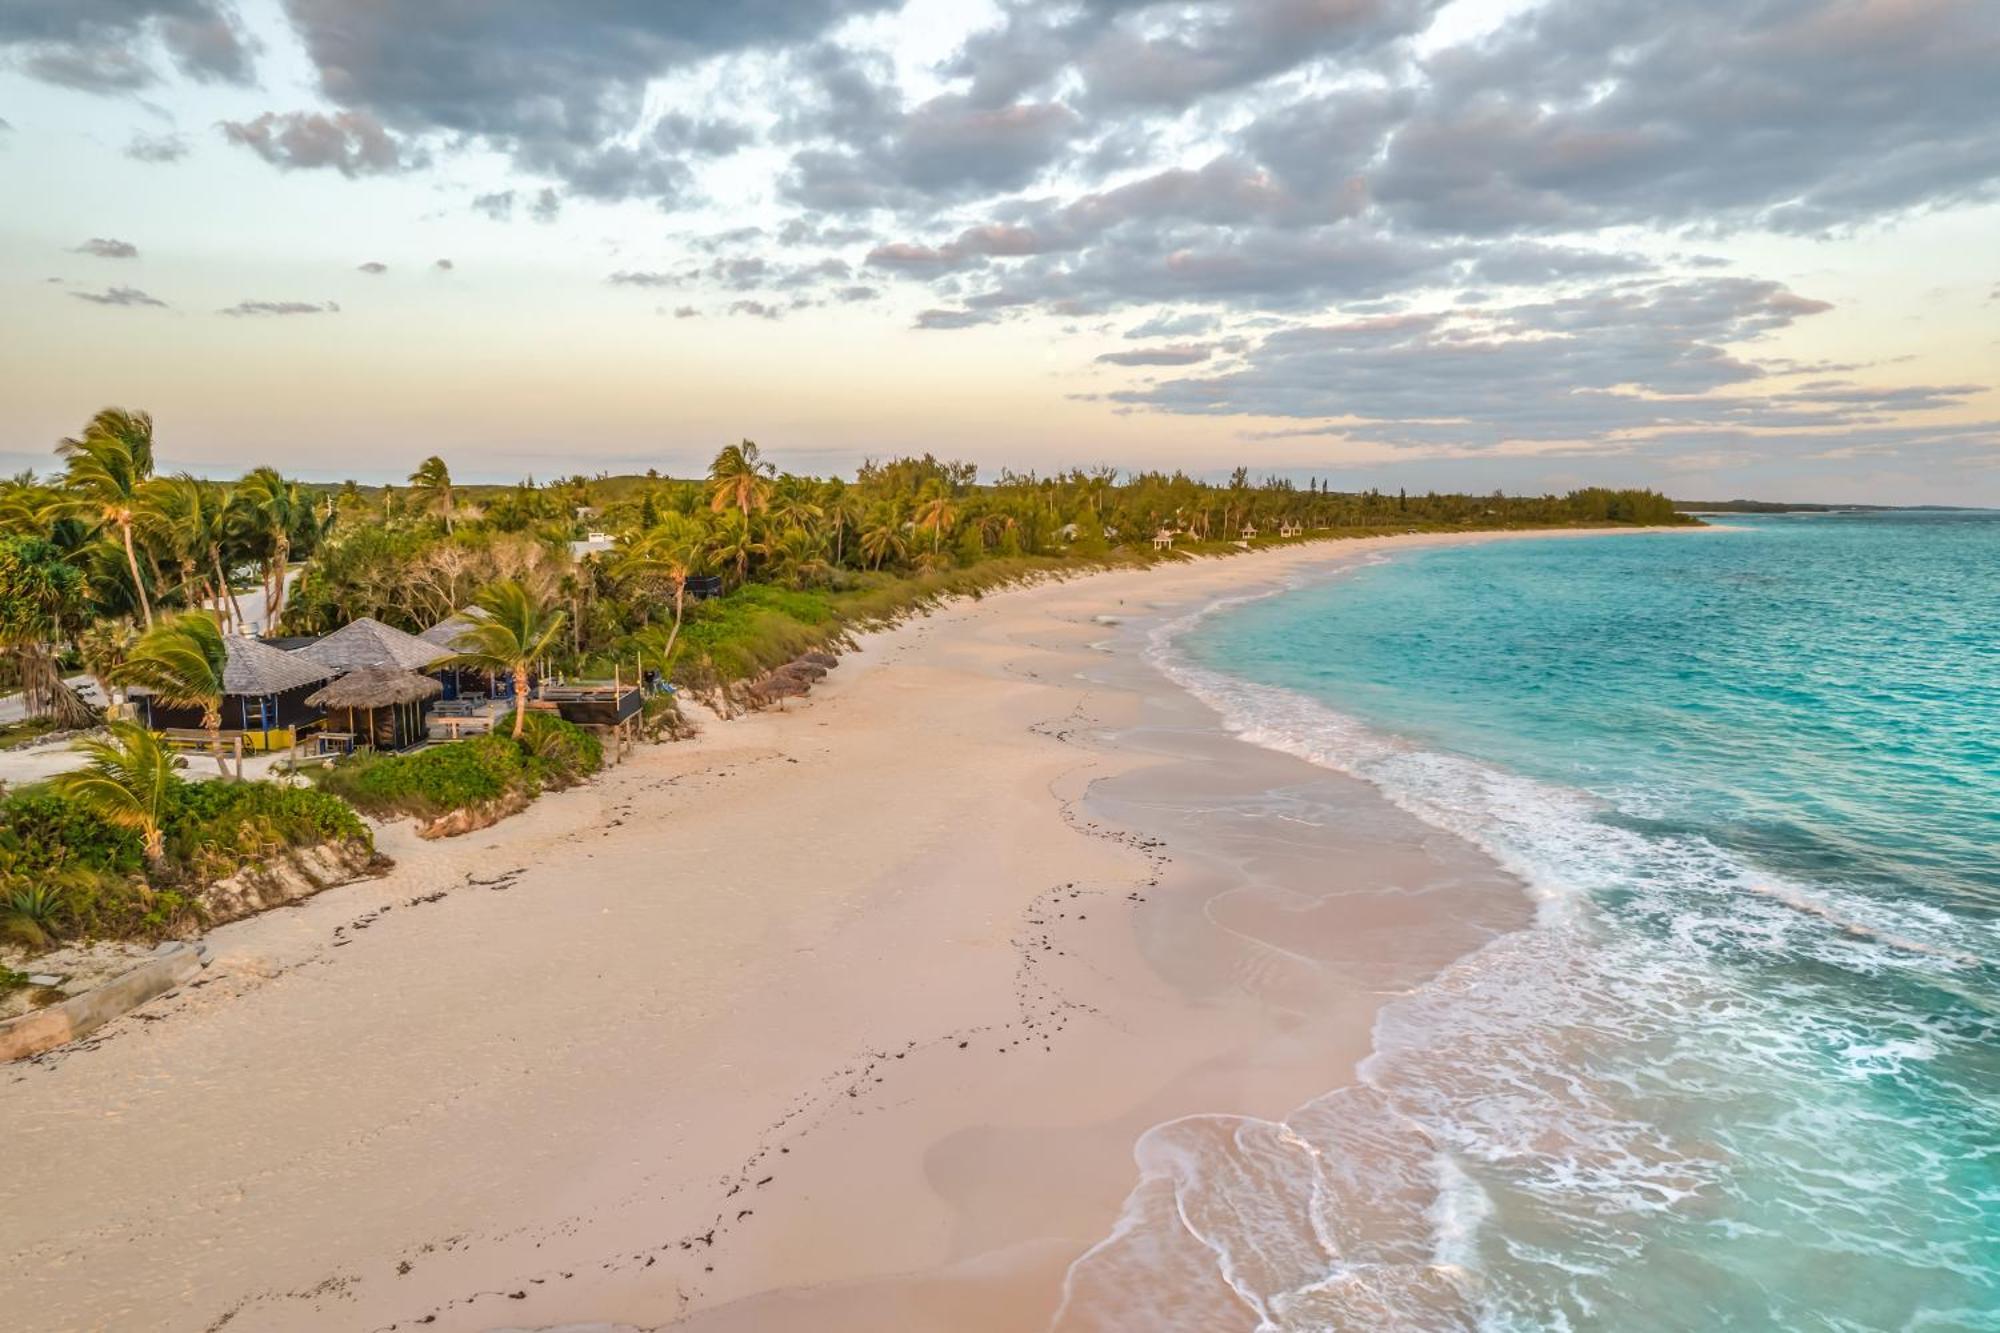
{"x":845,"y":1016}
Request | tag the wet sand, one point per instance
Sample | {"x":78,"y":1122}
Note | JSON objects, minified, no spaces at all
{"x":841,"y":1017}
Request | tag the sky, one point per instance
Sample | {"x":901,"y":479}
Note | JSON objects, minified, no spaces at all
{"x":1717,"y":247}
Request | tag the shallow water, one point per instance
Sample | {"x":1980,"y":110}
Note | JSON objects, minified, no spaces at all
{"x":1744,"y":1070}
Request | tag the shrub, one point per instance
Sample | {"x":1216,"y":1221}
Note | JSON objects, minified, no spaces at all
{"x":430,"y":782}
{"x":66,"y":873}
{"x":558,"y":754}
{"x":217,"y":828}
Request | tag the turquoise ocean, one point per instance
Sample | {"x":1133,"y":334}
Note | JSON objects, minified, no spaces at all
{"x":1743,"y":1070}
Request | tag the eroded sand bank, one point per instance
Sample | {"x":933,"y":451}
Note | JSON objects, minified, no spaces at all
{"x":841,"y":1017}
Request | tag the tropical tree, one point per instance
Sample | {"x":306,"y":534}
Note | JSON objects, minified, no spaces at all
{"x":739,"y":479}
{"x":882,"y":538}
{"x":732,"y":541}
{"x":104,"y":645}
{"x":938,"y":514}
{"x":673,"y":552}
{"x":518,"y":630}
{"x":269,"y":513}
{"x":128,"y":781}
{"x":44,"y":599}
{"x":105,"y":469}
{"x":432,"y":482}
{"x":844,"y":510}
{"x":799,"y":557}
{"x":184,"y":661}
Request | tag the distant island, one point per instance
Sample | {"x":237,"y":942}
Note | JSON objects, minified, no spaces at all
{"x":1795,"y":507}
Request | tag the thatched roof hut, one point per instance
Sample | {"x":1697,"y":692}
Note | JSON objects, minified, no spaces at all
{"x":370,"y":643}
{"x":380,"y":706}
{"x":262,"y":693}
{"x":255,"y":667}
{"x":445,"y":633}
{"x":375,"y":687}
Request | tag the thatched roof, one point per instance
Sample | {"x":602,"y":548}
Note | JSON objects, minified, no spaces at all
{"x":370,"y":643}
{"x":375,"y":687}
{"x":255,"y":667}
{"x":445,"y":633}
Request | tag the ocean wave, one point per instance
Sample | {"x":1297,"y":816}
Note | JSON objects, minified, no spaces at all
{"x":1623,"y":1079}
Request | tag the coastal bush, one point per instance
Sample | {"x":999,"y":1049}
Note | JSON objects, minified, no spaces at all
{"x":430,"y":782}
{"x":67,"y":873}
{"x":217,"y":828}
{"x":557,"y":753}
{"x":551,"y":754}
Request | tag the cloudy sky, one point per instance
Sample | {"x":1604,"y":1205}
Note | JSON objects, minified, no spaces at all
{"x":1721,"y":247}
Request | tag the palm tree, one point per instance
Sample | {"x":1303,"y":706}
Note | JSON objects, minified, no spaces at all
{"x":106,"y":467}
{"x":269,"y":510}
{"x":732,"y":541}
{"x":801,"y":557}
{"x":178,"y":513}
{"x":671,"y":551}
{"x":789,"y":509}
{"x":883,"y":537}
{"x":518,"y":630}
{"x":128,"y":782}
{"x":44,"y":600}
{"x":183,"y":661}
{"x":739,"y":479}
{"x":938,"y":514}
{"x":432,"y":479}
{"x":844,"y":510}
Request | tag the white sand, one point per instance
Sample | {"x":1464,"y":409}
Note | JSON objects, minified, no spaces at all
{"x":844,"y":1016}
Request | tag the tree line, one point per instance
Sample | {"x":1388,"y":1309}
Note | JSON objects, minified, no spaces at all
{"x":98,"y":551}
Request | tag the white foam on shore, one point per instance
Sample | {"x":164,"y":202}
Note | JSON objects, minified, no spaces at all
{"x":1470,"y":1079}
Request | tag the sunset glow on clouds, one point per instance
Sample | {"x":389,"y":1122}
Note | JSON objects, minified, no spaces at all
{"x":1719,"y":248}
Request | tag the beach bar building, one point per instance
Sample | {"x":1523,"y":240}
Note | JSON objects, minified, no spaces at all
{"x":377,"y":707}
{"x":264,"y":701}
{"x":388,"y":666}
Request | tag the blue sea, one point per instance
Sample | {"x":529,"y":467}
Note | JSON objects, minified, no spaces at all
{"x":1743,"y":1071}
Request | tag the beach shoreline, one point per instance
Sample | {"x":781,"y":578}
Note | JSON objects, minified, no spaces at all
{"x":719,"y":1040}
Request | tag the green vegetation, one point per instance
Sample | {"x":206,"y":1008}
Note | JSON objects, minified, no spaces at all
{"x":123,"y":849}
{"x":91,"y":555}
{"x":27,"y":731}
{"x":550,"y":754}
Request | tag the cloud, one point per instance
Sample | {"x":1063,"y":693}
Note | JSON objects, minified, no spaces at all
{"x":640,"y":278}
{"x":1628,"y":356}
{"x":947,"y":148}
{"x":685,"y":312}
{"x":544,"y":205}
{"x":443,"y":265}
{"x":106,"y":248}
{"x":758,"y":309}
{"x":125,"y":296}
{"x":1183,"y":354}
{"x":560,"y":88}
{"x":256,"y":308}
{"x":951,"y":319}
{"x":1796,"y":115}
{"x":1159,"y":56}
{"x":157,"y":148}
{"x":682,"y":134}
{"x":350,"y":142}
{"x":373,"y":266}
{"x":110,"y":46}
